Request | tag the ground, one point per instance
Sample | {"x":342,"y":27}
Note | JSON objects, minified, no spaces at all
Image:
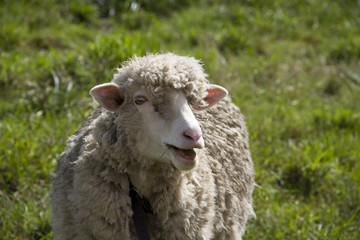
{"x":293,"y":67}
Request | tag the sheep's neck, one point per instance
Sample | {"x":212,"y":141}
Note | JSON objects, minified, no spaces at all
{"x":154,"y":179}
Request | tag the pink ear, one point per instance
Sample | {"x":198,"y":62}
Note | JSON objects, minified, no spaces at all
{"x":214,"y":94}
{"x":108,"y":95}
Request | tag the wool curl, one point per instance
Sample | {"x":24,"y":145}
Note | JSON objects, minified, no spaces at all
{"x":160,"y":72}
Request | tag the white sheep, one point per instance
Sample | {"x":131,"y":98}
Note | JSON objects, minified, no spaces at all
{"x":155,"y":129}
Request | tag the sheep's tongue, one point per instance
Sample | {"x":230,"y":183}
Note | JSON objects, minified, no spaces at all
{"x":188,"y":154}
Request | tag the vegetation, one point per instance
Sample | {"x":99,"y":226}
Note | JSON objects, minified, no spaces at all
{"x":293,"y":67}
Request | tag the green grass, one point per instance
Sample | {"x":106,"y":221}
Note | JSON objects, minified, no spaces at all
{"x":293,"y":67}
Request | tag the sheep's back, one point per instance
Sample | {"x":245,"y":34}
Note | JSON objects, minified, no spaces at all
{"x":227,"y":147}
{"x":62,"y":183}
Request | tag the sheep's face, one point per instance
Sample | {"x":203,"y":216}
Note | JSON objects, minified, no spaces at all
{"x":169,"y":131}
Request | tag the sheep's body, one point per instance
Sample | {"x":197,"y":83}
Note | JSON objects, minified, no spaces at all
{"x":90,"y":194}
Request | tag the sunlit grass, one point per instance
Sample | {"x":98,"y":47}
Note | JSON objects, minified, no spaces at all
{"x":291,"y":66}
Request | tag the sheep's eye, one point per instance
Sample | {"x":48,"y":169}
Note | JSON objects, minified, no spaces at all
{"x":140,"y":100}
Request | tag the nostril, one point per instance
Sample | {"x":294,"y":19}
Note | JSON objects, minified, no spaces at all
{"x":192,"y":135}
{"x":187,"y":136}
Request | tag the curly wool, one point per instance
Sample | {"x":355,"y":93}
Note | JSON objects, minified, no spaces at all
{"x":90,"y":193}
{"x":162,"y":71}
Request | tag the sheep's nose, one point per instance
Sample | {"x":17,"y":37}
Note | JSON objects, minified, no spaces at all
{"x":194,"y":137}
{"x":192,"y":134}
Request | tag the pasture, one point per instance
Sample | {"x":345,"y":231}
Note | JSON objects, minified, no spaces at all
{"x":293,"y":68}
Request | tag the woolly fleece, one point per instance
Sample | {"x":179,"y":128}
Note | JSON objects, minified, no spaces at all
{"x":90,"y":192}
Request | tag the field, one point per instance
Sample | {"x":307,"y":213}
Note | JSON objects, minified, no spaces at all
{"x":293,"y":67}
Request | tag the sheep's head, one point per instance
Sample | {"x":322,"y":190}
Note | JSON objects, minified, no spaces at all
{"x":170,"y":131}
{"x":161,"y":99}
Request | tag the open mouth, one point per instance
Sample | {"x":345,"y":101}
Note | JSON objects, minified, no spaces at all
{"x":186,"y":156}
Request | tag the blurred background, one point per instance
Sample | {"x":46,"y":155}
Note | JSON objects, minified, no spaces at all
{"x":293,"y":68}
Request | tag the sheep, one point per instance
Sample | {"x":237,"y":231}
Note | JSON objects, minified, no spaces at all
{"x":179,"y":140}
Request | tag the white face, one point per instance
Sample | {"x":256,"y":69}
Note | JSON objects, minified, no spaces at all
{"x":170,"y":131}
